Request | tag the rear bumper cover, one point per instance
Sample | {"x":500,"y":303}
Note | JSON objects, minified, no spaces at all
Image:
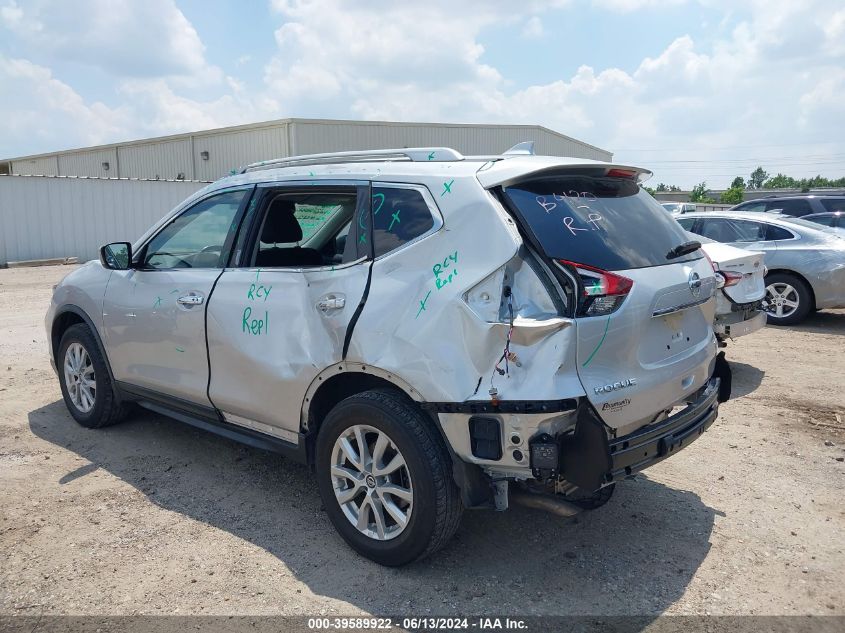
{"x":737,"y":324}
{"x":590,"y":460}
{"x":655,"y":442}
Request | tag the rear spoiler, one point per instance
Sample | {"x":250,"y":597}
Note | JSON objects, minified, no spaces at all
{"x":502,"y":173}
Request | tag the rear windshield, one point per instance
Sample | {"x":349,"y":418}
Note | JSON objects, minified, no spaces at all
{"x":608,"y":223}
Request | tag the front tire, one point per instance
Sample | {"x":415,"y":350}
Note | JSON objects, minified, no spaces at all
{"x":788,"y":299}
{"x":385,"y":478}
{"x":85,"y":381}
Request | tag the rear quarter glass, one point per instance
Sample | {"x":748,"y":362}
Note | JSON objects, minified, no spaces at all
{"x":608,"y":223}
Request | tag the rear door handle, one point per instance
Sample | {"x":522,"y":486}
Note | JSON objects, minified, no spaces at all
{"x":190,"y":300}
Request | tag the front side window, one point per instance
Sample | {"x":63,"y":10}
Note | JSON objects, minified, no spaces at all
{"x":399,"y":216}
{"x":196,"y":238}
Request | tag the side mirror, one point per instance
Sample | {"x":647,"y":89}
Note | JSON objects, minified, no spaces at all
{"x":116,"y":256}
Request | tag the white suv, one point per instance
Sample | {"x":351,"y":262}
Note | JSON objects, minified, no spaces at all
{"x":428,"y":331}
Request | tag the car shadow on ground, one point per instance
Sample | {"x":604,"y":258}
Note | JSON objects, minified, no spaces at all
{"x":822,"y":323}
{"x":745,"y":380}
{"x":636,"y":555}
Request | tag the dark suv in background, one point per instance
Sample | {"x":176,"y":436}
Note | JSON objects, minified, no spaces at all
{"x":796,"y":206}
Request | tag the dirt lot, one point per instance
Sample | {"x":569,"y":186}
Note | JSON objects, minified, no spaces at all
{"x":154,"y":517}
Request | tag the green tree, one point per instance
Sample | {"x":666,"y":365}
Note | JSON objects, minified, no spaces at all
{"x":699,"y":193}
{"x":650,"y":190}
{"x":781,"y":181}
{"x":661,"y":187}
{"x":674,"y":188}
{"x":738,"y":183}
{"x":732,"y":196}
{"x":757,"y":178}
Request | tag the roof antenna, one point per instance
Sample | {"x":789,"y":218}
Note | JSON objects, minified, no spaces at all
{"x":526,"y":148}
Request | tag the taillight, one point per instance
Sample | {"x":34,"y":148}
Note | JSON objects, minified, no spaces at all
{"x":603,"y":291}
{"x":712,"y":265}
{"x":731,"y":278}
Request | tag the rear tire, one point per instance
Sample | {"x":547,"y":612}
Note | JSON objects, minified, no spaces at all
{"x":788,"y":295}
{"x":366,"y":499}
{"x":85,"y":381}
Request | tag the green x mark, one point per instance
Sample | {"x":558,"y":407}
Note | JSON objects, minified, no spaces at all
{"x":422,"y":304}
{"x":431,"y":156}
{"x":447,"y":187}
{"x":157,"y":303}
{"x":363,"y":238}
{"x":395,"y":217}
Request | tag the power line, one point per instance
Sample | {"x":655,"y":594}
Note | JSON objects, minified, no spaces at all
{"x":727,"y":147}
{"x":823,"y":157}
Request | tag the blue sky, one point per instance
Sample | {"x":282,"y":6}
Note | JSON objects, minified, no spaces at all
{"x":694,"y":89}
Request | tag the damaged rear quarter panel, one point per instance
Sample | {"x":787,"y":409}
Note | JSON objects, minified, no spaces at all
{"x":416,"y":324}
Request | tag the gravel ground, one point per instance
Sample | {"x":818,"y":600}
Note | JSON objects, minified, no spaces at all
{"x":152,"y":517}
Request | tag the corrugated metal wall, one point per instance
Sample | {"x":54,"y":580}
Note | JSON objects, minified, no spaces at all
{"x":43,"y":218}
{"x":44,"y":165}
{"x":229,"y":149}
{"x":310,"y":137}
{"x":90,"y":164}
{"x":232,"y":150}
{"x":164,"y":159}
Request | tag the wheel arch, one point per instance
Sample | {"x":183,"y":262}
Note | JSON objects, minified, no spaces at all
{"x":787,"y":271}
{"x":345,"y":379}
{"x":341,"y":380}
{"x":69,"y":315}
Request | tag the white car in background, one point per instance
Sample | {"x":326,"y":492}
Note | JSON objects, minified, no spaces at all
{"x":677,"y":208}
{"x":742,"y":288}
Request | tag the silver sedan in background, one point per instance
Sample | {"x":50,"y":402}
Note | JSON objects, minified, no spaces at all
{"x":805,"y":261}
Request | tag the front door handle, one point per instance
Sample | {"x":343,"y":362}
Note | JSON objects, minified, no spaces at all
{"x":331,"y":303}
{"x":190,"y":300}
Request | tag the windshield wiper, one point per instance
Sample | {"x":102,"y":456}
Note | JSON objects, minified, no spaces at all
{"x":683,"y":249}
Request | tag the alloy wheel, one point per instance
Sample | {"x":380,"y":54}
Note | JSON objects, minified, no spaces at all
{"x":781,"y":300}
{"x":80,"y":380}
{"x":371,"y":482}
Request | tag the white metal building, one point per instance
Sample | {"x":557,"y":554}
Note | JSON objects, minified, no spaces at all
{"x":210,"y":154}
{"x":48,"y":217}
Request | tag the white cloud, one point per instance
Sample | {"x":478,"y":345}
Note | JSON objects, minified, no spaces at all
{"x":37,"y":108}
{"x":533,"y":28}
{"x":629,"y":6}
{"x":122,"y":37}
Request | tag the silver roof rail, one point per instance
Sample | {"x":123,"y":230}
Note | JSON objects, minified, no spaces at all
{"x":415,"y":154}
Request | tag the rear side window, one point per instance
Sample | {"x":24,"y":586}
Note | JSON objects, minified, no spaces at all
{"x":607,"y":223}
{"x":399,"y":216}
{"x":790,"y":207}
{"x":777,"y":233}
{"x":833,"y":204}
{"x":687,"y":223}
